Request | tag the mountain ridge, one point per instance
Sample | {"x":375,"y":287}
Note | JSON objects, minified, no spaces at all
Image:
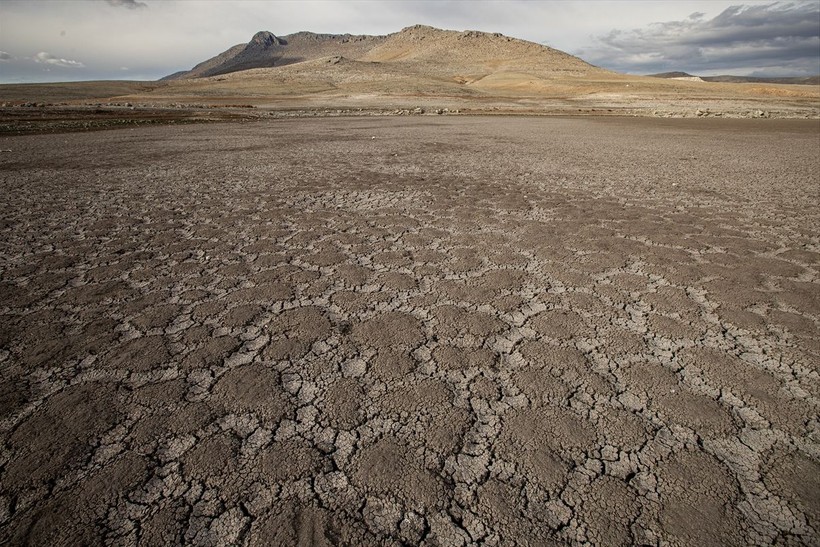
{"x":267,"y":50}
{"x":728,"y":78}
{"x":424,"y":69}
{"x":443,"y":50}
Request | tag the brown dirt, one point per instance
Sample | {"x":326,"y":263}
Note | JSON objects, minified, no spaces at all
{"x":438,"y":331}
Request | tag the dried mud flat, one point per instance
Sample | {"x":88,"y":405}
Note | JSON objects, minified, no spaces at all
{"x":437,"y":331}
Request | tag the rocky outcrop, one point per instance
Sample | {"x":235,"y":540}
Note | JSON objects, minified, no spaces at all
{"x":267,"y":50}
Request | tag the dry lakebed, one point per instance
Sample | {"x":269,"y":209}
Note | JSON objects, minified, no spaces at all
{"x":421,"y":330}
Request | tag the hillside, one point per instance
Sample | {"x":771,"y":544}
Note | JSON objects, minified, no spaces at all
{"x":471,"y":49}
{"x":267,"y":50}
{"x":418,"y":61}
{"x":209,"y":67}
{"x":419,"y":68}
{"x":469,"y":55}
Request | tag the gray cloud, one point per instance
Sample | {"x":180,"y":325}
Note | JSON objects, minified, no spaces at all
{"x":130,"y":4}
{"x":779,"y":37}
{"x":6,"y":56}
{"x":49,"y":59}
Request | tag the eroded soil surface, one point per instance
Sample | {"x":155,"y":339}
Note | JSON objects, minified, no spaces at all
{"x":32,"y":118}
{"x":449,"y":331}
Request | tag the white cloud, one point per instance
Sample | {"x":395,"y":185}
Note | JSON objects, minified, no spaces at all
{"x":6,"y":56}
{"x":49,"y":59}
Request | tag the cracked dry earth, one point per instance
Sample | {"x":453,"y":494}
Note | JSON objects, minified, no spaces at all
{"x":491,"y":331}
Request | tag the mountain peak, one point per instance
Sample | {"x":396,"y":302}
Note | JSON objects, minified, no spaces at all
{"x":265,"y":39}
{"x":420,"y":28}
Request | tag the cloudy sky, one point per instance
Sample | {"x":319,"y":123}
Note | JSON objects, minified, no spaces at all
{"x":66,"y":40}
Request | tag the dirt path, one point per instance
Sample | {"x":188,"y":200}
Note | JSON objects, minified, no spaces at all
{"x":441,"y":331}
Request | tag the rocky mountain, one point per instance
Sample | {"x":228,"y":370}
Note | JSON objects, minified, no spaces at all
{"x":267,"y":50}
{"x":467,"y":56}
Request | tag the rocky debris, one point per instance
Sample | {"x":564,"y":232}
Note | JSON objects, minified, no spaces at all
{"x":419,"y":111}
{"x":706,"y":113}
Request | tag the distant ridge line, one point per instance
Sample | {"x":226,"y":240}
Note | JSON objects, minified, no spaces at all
{"x":728,"y":78}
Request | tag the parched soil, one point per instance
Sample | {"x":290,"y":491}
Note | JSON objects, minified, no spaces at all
{"x":438,"y":331}
{"x":34,"y":118}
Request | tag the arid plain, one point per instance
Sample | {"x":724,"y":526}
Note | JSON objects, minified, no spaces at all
{"x":420,"y":67}
{"x":438,"y":330}
{"x":325,"y":290}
